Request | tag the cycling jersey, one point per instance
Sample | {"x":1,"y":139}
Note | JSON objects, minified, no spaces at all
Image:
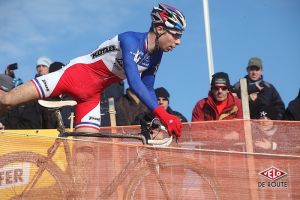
{"x":85,"y":77}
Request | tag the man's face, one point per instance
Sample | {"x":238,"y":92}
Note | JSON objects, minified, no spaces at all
{"x":220,"y":92}
{"x":42,"y":70}
{"x":266,"y":125}
{"x":163,"y":102}
{"x":254,"y":73}
{"x":169,"y":40}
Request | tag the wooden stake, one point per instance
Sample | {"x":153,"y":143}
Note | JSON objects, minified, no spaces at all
{"x":248,"y":139}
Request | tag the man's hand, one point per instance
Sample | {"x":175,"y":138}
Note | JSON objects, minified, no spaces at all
{"x":170,"y":121}
{"x":259,"y":87}
{"x":265,"y":144}
{"x":253,"y":96}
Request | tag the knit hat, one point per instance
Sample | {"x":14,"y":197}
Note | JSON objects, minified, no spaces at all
{"x":55,"y":66}
{"x":255,"y":62}
{"x":6,"y":82}
{"x":162,"y":92}
{"x":43,"y":60}
{"x":220,"y":78}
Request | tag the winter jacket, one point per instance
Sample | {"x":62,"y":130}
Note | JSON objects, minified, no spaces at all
{"x":293,"y":110}
{"x":127,"y":108}
{"x":27,"y":116}
{"x":206,"y":109}
{"x":267,"y":97}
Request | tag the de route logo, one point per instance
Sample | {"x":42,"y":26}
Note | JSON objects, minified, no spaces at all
{"x":273,"y":174}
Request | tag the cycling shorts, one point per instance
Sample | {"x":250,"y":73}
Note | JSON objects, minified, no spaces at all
{"x":85,"y":83}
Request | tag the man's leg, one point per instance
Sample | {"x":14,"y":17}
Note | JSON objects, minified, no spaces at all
{"x":86,"y":153}
{"x":19,"y":95}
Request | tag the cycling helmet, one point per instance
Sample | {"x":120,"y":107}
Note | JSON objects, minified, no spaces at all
{"x":169,"y":17}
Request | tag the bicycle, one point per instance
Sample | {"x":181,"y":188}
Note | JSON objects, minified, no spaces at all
{"x":145,"y":166}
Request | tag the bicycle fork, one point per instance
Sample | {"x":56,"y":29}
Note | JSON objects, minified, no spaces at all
{"x":156,"y":166}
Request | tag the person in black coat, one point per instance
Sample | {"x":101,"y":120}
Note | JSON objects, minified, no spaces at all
{"x":261,"y":93}
{"x":292,"y":112}
{"x":163,"y":98}
{"x":128,"y":107}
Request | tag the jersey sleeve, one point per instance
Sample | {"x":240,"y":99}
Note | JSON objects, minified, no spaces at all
{"x":148,"y":78}
{"x":142,"y":86}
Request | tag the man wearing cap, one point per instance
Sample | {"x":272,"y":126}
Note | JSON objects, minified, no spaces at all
{"x":42,"y":66}
{"x":220,"y":104}
{"x":261,"y":93}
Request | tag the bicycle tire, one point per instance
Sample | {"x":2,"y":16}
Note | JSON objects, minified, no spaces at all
{"x":38,"y":160}
{"x":167,"y":163}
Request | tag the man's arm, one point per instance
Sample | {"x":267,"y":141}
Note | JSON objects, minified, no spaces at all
{"x":133,"y":76}
{"x":144,"y":88}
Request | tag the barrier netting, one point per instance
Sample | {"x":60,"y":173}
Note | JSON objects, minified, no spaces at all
{"x":240,"y":159}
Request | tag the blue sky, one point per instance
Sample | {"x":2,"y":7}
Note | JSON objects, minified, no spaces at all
{"x":240,"y":29}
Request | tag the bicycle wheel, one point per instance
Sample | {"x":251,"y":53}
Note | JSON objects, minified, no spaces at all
{"x":173,"y":178}
{"x":17,"y":170}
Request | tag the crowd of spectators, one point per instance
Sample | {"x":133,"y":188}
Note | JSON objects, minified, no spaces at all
{"x":223,"y":101}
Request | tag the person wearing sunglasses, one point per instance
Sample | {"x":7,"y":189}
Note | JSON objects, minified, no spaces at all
{"x":261,"y":93}
{"x":220,"y":104}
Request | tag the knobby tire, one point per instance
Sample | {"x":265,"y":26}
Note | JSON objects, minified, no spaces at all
{"x":40,"y":161}
{"x":168,"y":163}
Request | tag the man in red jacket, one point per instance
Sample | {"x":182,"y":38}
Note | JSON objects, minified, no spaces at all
{"x":220,"y":104}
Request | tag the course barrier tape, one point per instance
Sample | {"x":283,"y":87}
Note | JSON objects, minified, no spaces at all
{"x":210,"y":161}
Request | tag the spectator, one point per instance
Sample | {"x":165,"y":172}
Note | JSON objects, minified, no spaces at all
{"x":220,"y":104}
{"x":267,"y":130}
{"x":163,"y":99}
{"x":261,"y":93}
{"x":128,"y":107}
{"x":274,"y":137}
{"x":42,"y":66}
{"x":293,"y":110}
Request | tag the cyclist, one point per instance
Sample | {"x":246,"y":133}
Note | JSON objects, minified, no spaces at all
{"x":132,"y":55}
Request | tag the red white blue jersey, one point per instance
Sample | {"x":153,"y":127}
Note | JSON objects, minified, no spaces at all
{"x":85,"y":77}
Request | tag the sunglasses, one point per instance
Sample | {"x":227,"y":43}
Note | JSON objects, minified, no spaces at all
{"x":162,"y":99}
{"x":223,"y":88}
{"x":175,"y":34}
